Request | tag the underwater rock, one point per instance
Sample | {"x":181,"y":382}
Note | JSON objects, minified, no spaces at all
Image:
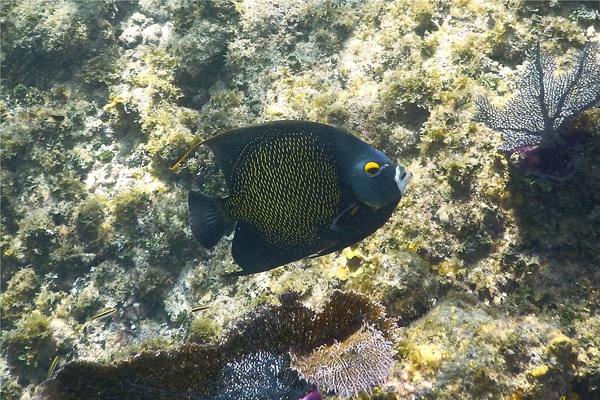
{"x":131,"y":37}
{"x":456,"y":351}
{"x":535,"y":122}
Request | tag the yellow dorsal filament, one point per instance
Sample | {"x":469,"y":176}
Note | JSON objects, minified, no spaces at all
{"x":186,"y":155}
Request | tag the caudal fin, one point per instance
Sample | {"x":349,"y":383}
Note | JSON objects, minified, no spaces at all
{"x":206,"y":221}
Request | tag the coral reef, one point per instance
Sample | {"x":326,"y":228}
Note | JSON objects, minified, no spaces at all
{"x":535,"y":121}
{"x":98,"y":99}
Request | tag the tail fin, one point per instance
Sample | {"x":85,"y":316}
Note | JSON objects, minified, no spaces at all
{"x":206,"y":221}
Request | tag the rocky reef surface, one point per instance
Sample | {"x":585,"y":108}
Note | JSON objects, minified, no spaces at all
{"x":491,"y":275}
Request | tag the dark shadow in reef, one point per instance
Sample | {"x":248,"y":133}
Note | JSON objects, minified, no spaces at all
{"x":559,"y":223}
{"x":555,"y":193}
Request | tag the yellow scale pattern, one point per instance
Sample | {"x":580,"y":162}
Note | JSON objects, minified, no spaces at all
{"x":286,"y":187}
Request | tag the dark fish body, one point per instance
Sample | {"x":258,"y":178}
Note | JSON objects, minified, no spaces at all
{"x":297,"y":189}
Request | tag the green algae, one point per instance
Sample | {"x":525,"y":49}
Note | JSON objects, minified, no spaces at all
{"x":32,"y":333}
{"x":17,"y":298}
{"x":493,"y":357}
{"x":92,"y":202}
{"x":204,"y":330}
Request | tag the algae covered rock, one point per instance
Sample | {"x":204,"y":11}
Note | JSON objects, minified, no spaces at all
{"x":458,"y":351}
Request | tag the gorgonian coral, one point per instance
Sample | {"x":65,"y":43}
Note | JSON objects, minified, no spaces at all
{"x":535,"y":121}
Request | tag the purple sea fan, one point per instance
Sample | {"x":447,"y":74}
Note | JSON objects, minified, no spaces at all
{"x":358,"y":363}
{"x":534,"y":123}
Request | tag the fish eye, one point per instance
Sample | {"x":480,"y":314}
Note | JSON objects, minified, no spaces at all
{"x":372,"y":168}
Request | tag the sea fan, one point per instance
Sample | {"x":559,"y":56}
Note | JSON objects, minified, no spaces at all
{"x":534,"y":123}
{"x":351,"y":366}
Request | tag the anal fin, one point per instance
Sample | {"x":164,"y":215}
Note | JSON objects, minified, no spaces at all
{"x":253,"y":253}
{"x":205,"y":218}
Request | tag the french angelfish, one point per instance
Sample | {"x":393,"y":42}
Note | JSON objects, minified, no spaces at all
{"x":297,"y":189}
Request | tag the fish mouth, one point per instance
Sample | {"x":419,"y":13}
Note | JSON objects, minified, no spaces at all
{"x":402,"y":178}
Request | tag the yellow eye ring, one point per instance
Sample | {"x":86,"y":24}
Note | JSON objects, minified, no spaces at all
{"x":372,"y":168}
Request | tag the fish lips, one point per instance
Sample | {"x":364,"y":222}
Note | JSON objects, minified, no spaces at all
{"x":402,"y":178}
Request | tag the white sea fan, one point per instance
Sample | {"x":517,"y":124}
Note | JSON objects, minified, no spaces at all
{"x":358,"y":363}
